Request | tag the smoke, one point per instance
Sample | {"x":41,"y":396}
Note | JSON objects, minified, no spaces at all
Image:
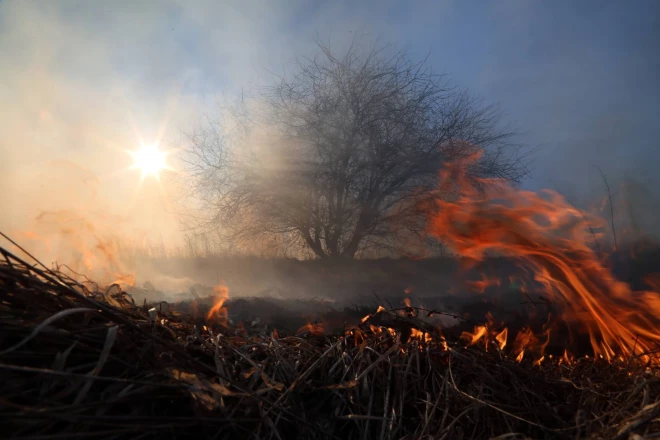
{"x":83,"y":82}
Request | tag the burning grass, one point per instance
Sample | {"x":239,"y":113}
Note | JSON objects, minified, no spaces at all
{"x":79,"y":361}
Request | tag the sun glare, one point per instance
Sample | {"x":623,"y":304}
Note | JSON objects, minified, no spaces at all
{"x":150,"y":160}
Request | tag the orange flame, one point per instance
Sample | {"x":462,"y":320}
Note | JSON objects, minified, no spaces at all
{"x":375,"y":330}
{"x":420,"y":335}
{"x":501,"y":338}
{"x":486,"y":335}
{"x":550,"y":239}
{"x":315,"y":329}
{"x":218,"y":313}
{"x":480,"y":286}
{"x":653,"y":280}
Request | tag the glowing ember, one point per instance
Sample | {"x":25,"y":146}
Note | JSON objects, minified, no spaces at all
{"x":549,"y":238}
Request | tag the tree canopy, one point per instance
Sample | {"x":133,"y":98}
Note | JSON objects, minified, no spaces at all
{"x":354,"y":145}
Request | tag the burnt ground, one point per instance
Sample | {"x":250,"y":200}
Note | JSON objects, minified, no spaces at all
{"x":81,"y":361}
{"x":286,"y":294}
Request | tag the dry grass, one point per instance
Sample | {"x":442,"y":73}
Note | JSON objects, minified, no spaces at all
{"x":78,"y":361}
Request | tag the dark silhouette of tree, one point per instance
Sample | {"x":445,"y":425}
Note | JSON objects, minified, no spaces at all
{"x":355,"y":144}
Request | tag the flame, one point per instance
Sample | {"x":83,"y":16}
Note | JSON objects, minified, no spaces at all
{"x":420,"y":335}
{"x":367,"y":317}
{"x":487,"y":334}
{"x":483,"y":333}
{"x":653,"y":280}
{"x":218,"y":313}
{"x":480,"y":286}
{"x":550,"y":239}
{"x":406,"y":301}
{"x":501,"y":338}
{"x":375,"y":330}
{"x":526,"y":340}
{"x":315,"y":329}
{"x":479,"y":332}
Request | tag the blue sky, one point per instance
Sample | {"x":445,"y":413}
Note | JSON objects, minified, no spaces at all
{"x":579,"y":78}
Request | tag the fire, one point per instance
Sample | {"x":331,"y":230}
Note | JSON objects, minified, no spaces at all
{"x":420,"y":335}
{"x":315,"y":329}
{"x":501,"y":338}
{"x":486,"y":335}
{"x":653,"y":280}
{"x":218,"y":313}
{"x":550,"y":239}
{"x":375,"y":330}
{"x":480,"y":286}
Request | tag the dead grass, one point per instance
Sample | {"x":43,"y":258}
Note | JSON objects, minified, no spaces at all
{"x":78,"y":361}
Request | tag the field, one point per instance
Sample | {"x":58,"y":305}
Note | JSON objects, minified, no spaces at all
{"x":84,"y":361}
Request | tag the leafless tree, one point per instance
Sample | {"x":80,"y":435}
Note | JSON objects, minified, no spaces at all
{"x":356,"y":143}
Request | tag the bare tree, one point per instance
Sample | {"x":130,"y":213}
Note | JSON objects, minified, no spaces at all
{"x":358,"y":142}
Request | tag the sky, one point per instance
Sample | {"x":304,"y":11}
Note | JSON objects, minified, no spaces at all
{"x":84,"y":81}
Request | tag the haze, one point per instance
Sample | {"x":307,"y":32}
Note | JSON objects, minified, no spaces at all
{"x":84,"y":81}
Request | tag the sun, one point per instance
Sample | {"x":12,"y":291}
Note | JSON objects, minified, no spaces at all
{"x":150,"y":160}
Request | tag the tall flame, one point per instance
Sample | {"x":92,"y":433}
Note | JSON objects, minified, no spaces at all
{"x":218,"y":313}
{"x":550,"y":238}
